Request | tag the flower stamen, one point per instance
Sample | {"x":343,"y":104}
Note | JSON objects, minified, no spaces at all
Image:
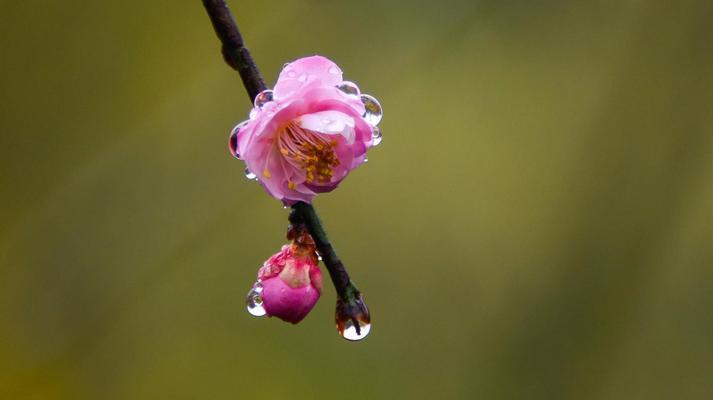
{"x":310,"y":151}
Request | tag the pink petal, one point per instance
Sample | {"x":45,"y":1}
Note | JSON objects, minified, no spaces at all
{"x":329,"y":122}
{"x":306,"y":70}
{"x":288,"y":304}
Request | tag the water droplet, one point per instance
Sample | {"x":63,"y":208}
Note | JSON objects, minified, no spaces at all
{"x":350,"y":331}
{"x":257,"y":286}
{"x":291,"y":74}
{"x":302,"y":78}
{"x":250,"y":175}
{"x":334,"y":70}
{"x":263,"y":98}
{"x":376,"y":136}
{"x":254,"y":301}
{"x":233,"y":140}
{"x":372,"y":109}
{"x":349,"y":88}
{"x":233,"y":144}
{"x":319,"y":257}
{"x":366,"y":159}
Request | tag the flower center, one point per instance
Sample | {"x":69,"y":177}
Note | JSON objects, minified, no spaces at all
{"x":308,"y":150}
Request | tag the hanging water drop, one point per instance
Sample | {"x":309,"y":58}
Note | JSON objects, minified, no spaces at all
{"x":233,"y":144}
{"x":376,"y":136}
{"x":250,"y":175}
{"x":254,"y":301}
{"x":233,"y":140}
{"x":352,"y":317}
{"x":350,"y":331}
{"x":263,"y":98}
{"x":349,"y":88}
{"x":257,"y":286}
{"x":372,"y":109}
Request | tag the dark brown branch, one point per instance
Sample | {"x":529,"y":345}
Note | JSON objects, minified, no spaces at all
{"x":304,"y":214}
{"x":235,"y":54}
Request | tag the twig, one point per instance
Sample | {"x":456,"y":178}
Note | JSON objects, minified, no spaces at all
{"x":303,"y":213}
{"x":238,"y":57}
{"x":235,"y":54}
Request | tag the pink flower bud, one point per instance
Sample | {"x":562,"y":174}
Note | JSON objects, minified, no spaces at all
{"x":291,"y":282}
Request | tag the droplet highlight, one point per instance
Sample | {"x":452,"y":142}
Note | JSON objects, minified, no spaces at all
{"x":372,"y":109}
{"x":250,"y":175}
{"x":254,"y":301}
{"x":253,"y":113}
{"x":350,"y":331}
{"x":349,"y":88}
{"x":263,"y":98}
{"x":376,"y":136}
{"x":257,"y":286}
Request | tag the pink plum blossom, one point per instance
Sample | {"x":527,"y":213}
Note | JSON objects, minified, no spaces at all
{"x":291,"y":282}
{"x":306,"y":135}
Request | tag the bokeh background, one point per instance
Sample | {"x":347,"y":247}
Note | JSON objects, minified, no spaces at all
{"x":537,"y":224}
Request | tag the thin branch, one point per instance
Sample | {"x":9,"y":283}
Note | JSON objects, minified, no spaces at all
{"x":238,"y":57}
{"x":303,"y":213}
{"x":235,"y":54}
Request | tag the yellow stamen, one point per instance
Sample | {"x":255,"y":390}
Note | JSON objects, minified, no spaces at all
{"x":311,"y":151}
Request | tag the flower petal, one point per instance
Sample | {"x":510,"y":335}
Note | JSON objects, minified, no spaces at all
{"x":304,"y":71}
{"x":329,"y":122}
{"x":287,"y":303}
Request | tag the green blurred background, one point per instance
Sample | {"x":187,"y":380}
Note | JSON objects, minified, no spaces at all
{"x":537,"y":224}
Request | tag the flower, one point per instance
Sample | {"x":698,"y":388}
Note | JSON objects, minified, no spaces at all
{"x":291,"y":281}
{"x":305,"y":137}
